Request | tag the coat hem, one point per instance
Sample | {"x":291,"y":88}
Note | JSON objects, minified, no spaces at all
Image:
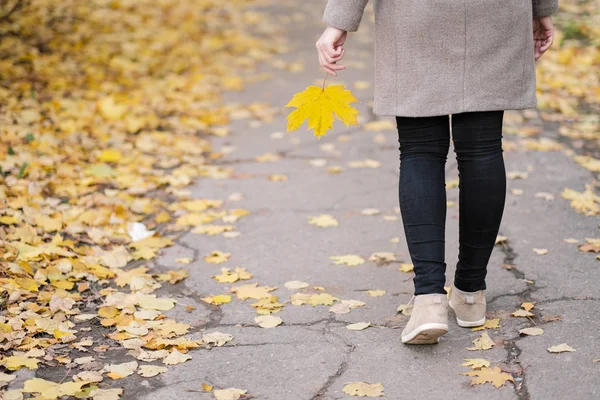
{"x":399,"y":113}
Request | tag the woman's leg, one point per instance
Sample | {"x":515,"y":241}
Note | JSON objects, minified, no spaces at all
{"x":424,"y":145}
{"x":477,"y":138}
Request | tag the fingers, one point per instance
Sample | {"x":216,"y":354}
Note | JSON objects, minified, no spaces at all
{"x":328,"y":57}
{"x":547,"y":43}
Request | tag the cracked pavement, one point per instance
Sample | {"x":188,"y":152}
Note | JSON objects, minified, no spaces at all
{"x":312,"y":355}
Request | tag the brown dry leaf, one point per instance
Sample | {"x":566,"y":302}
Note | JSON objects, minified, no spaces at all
{"x":592,"y":245}
{"x":561,"y":348}
{"x":363,"y":389}
{"x":495,"y":376}
{"x":528,"y":306}
{"x":484,"y":342}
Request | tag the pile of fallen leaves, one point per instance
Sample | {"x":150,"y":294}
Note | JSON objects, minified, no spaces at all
{"x":105,"y":109}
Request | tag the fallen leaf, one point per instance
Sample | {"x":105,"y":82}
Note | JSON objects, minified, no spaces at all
{"x":229,"y":394}
{"x":148,"y":371}
{"x":560,"y":348}
{"x":376,"y":293}
{"x":351,"y":260}
{"x":495,"y":376}
{"x":540,"y":252}
{"x":363,"y":389}
{"x":522,"y":313}
{"x":405,"y":267}
{"x":295,"y":285}
{"x":493,"y":323}
{"x":359,"y":326}
{"x":531,"y":331}
{"x":528,"y":306}
{"x":476,"y":363}
{"x":176,"y":357}
{"x":323,"y":221}
{"x":217,"y":257}
{"x":267,"y":321}
{"x":484,"y":342}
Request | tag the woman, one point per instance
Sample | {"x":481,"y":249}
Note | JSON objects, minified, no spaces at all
{"x":470,"y":59}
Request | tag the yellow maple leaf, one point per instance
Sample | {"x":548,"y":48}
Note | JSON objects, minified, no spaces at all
{"x":323,"y":221}
{"x":495,"y":376}
{"x":484,"y":342}
{"x":217,"y":257}
{"x":476,"y":363}
{"x":493,"y":323}
{"x":319,"y":105}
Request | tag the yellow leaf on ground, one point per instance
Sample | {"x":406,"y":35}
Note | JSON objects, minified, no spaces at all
{"x":267,"y":321}
{"x":294,"y":285}
{"x":176,"y":357}
{"x":229,"y":394}
{"x":217,"y":257}
{"x":405,"y":309}
{"x":489,"y":324}
{"x":540,"y":252}
{"x":322,"y":299}
{"x":363,"y":389}
{"x":560,"y":348}
{"x":148,"y":371}
{"x":351,"y":259}
{"x":14,"y":363}
{"x":186,"y":260}
{"x":495,"y":376}
{"x":319,"y":105}
{"x":359,"y":326}
{"x":252,"y":291}
{"x":528,"y":306}
{"x":119,"y":371}
{"x":376,"y":293}
{"x":217,"y":300}
{"x":522,"y":313}
{"x":217,"y":338}
{"x":382,"y":257}
{"x":475,"y":363}
{"x":531,"y":331}
{"x":405,"y":267}
{"x":484,"y":342}
{"x":323,"y":221}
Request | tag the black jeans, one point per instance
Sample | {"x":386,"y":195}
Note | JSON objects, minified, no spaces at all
{"x":424,"y":144}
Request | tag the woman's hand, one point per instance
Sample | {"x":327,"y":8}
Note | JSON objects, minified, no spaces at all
{"x":543,"y":35}
{"x":330,"y":50}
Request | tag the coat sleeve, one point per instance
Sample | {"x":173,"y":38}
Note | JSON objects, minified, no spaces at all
{"x":544,"y":8}
{"x":345,"y":14}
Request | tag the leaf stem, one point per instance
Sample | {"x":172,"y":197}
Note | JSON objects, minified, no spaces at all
{"x":324,"y":80}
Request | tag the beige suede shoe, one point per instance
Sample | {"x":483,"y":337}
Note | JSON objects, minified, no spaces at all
{"x":428,"y":320}
{"x":469,"y":307}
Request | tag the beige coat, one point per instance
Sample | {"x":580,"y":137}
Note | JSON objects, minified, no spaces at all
{"x":439,"y":57}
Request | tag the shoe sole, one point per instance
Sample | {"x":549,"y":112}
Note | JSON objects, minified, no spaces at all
{"x":426,"y":334}
{"x":467,"y":324}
